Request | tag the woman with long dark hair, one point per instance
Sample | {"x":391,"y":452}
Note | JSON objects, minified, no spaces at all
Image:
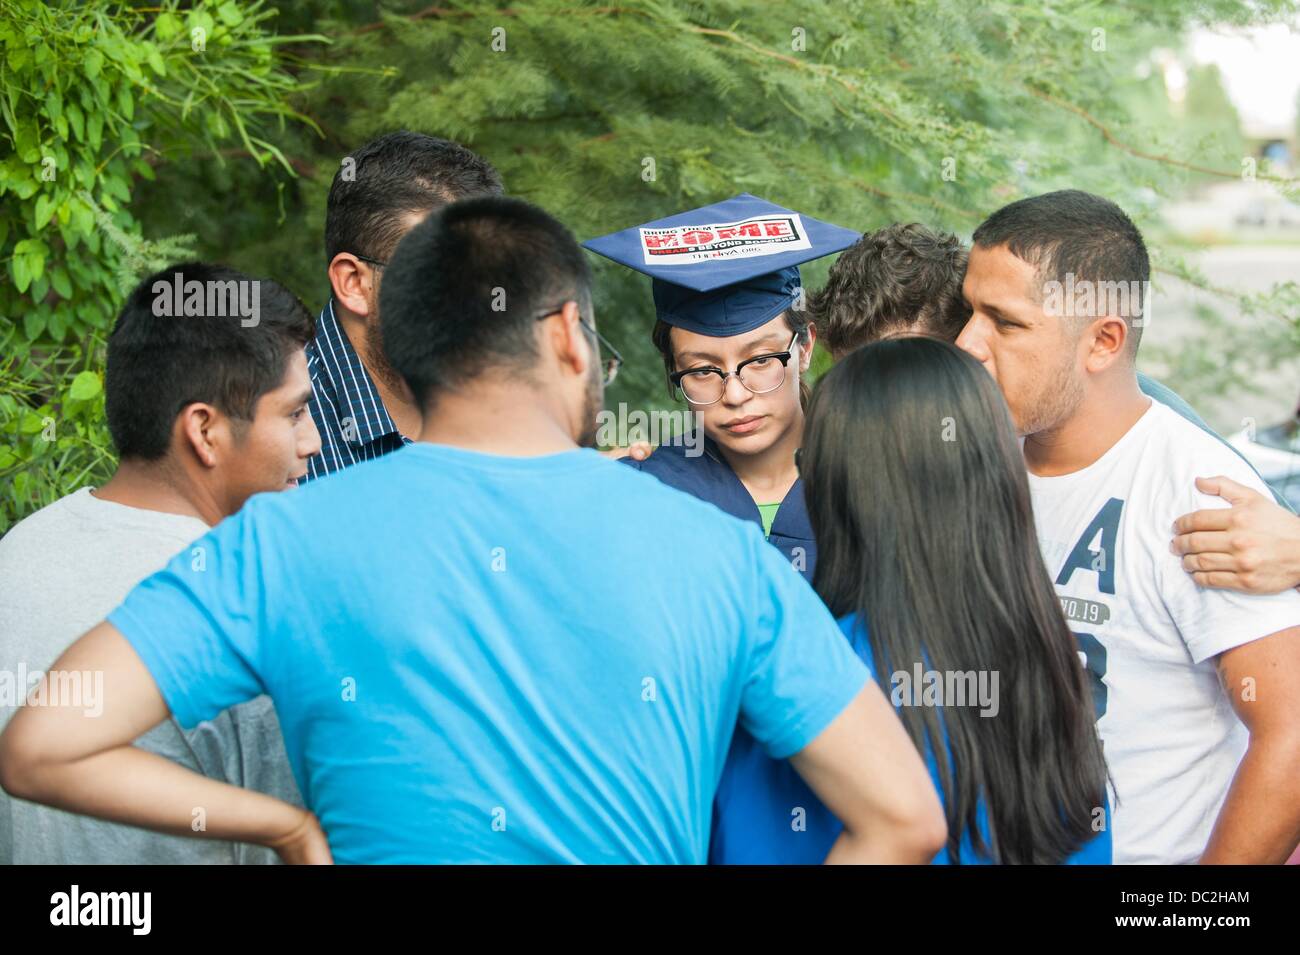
{"x":918,"y":499}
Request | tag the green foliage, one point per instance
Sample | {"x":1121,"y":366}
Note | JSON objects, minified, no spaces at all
{"x":94,"y":96}
{"x":864,"y":113}
{"x":860,"y":112}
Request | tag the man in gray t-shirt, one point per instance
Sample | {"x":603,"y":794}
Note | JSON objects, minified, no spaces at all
{"x":242,"y":428}
{"x":64,"y":569}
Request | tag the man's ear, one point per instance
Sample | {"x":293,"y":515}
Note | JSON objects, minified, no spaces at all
{"x":202,"y":429}
{"x":352,"y":281}
{"x":1109,"y":342}
{"x":572,"y":343}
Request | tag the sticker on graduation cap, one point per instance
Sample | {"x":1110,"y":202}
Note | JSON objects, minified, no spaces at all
{"x":724,"y":268}
{"x":742,"y":239}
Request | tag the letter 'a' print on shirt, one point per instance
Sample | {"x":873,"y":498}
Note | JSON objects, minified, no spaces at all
{"x":1102,"y":562}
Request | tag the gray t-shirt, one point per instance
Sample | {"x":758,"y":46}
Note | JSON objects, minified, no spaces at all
{"x":63,"y":570}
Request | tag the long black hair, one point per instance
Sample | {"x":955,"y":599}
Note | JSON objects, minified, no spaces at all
{"x":917,"y":494}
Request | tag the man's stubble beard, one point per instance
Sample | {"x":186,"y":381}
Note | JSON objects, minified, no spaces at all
{"x":380,"y":367}
{"x":1056,"y":402}
{"x":592,"y":406}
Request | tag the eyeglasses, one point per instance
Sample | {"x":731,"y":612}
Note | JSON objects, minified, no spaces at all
{"x":610,"y":365}
{"x":366,"y":258}
{"x":759,"y":375}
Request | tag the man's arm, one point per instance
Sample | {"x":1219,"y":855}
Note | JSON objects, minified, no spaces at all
{"x":58,"y":754}
{"x":1253,"y":546}
{"x":864,"y":767}
{"x":1260,"y":819}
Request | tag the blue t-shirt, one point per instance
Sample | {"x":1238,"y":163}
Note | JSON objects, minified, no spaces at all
{"x":765,"y":813}
{"x":478,"y":658}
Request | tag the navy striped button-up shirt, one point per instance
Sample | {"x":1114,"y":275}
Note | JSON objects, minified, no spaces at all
{"x":353,"y":423}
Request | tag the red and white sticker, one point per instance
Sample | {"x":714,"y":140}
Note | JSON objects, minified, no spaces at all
{"x":693,"y":244}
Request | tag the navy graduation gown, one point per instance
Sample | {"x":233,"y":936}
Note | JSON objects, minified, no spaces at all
{"x":709,"y":477}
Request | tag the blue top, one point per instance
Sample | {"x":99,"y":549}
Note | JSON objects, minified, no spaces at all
{"x":709,"y":477}
{"x":765,"y":813}
{"x":478,"y":658}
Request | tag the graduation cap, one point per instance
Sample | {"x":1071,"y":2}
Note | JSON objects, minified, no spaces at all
{"x":727,"y":268}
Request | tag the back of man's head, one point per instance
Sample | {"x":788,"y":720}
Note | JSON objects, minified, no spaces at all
{"x":1090,"y":258}
{"x":196,"y":333}
{"x":902,"y":279}
{"x":465,"y":289}
{"x":389,"y":179}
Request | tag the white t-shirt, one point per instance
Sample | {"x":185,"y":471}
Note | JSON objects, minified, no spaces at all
{"x":62,"y":570}
{"x":1149,"y":633}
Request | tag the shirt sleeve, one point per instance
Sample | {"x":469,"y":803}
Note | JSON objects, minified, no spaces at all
{"x":195,"y":623}
{"x":802,"y":672}
{"x":1212,"y":621}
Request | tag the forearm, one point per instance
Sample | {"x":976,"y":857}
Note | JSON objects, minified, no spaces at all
{"x":1291,"y":563}
{"x":1260,"y":819}
{"x":139,"y":788}
{"x":882,"y":847}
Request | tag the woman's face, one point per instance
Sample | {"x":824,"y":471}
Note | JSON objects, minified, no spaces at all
{"x":741,"y":421}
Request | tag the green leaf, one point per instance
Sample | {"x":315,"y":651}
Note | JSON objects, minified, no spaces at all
{"x":34,"y":324}
{"x":92,"y":63}
{"x":155,"y":61}
{"x":21,"y":272}
{"x":45,"y":206}
{"x":229,"y":14}
{"x":167,"y":26}
{"x":77,"y":120}
{"x":95,"y":130}
{"x":58,"y":325}
{"x":28,"y":262}
{"x":84,"y":387}
{"x":61,"y":281}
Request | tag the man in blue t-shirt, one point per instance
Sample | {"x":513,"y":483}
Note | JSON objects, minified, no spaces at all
{"x":493,"y":645}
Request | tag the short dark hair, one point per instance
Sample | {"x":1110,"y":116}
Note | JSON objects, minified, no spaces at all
{"x":158,"y":364}
{"x":464,"y":290}
{"x":901,"y":278}
{"x":393,"y":176}
{"x":1074,"y":232}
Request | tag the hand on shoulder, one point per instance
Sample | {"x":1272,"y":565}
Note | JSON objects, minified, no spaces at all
{"x":1252,"y":546}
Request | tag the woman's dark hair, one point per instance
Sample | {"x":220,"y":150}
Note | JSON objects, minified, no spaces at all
{"x":918,"y":499}
{"x":797,"y":319}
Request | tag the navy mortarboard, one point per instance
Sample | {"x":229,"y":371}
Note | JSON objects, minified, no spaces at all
{"x":727,"y":268}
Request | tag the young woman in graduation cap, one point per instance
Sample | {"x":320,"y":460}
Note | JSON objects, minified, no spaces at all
{"x":735,"y":342}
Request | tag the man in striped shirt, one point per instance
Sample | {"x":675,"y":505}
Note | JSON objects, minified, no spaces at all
{"x":361,"y":407}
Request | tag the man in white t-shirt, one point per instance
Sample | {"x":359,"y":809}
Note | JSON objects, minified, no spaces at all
{"x":1197,"y":690}
{"x":205,"y":410}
